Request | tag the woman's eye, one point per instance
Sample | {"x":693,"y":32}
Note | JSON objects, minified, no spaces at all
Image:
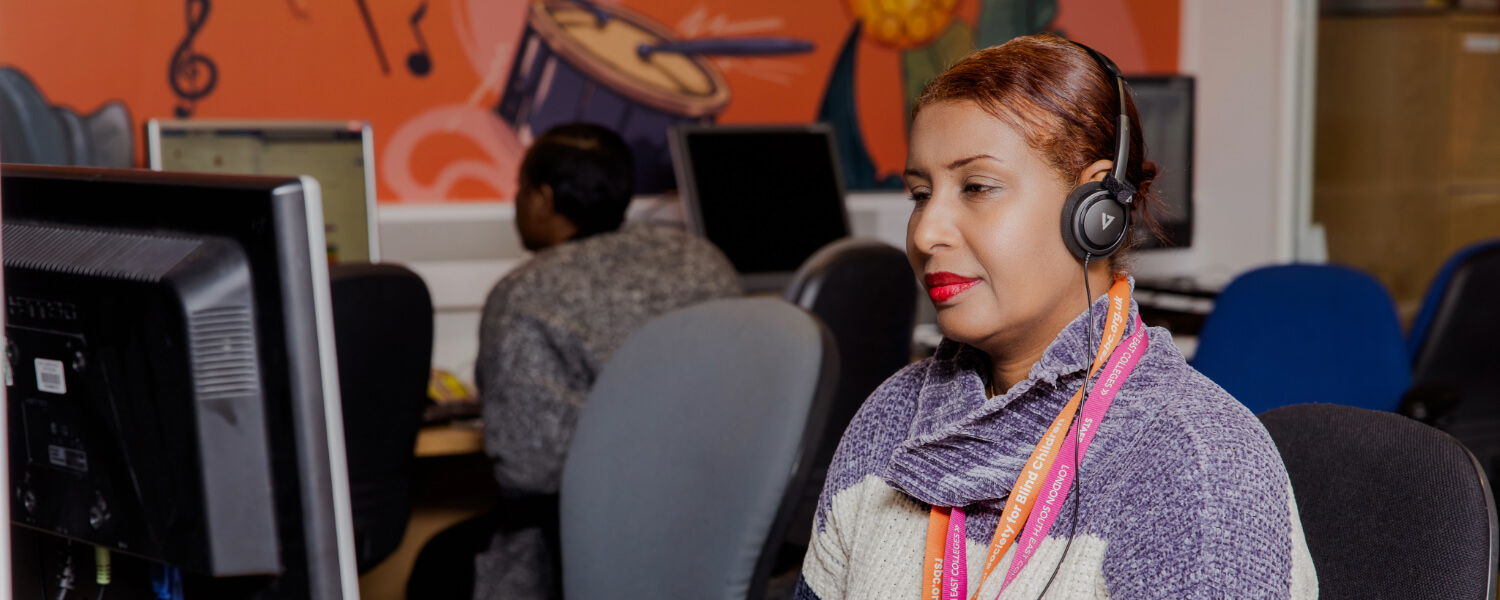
{"x":921,"y":196}
{"x":974,"y":188}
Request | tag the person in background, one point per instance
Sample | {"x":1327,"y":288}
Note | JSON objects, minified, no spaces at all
{"x":550,"y":325}
{"x":958,"y":477}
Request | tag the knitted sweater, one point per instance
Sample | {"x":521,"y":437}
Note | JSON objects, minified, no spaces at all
{"x":1183,"y":493}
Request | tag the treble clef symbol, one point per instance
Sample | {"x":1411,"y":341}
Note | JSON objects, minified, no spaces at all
{"x":192,"y":75}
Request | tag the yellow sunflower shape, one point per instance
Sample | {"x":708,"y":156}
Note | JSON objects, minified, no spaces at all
{"x":903,"y":23}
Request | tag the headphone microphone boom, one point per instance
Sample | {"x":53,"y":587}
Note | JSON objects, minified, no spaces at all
{"x":1096,"y":216}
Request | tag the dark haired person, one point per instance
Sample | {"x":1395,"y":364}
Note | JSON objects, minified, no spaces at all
{"x":959,"y":477}
{"x":550,"y":325}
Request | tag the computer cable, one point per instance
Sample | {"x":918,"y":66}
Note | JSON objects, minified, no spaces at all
{"x":65,"y":579}
{"x":101,"y":570}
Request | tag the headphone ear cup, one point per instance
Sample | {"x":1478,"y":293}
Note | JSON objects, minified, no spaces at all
{"x":1073,"y":213}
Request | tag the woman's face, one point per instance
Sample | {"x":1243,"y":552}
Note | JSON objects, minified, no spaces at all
{"x":984,"y":234}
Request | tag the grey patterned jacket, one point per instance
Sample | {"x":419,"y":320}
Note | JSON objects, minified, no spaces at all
{"x":551,"y":324}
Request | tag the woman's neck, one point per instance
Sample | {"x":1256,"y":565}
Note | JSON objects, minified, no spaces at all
{"x":1012,"y":365}
{"x":1012,"y":368}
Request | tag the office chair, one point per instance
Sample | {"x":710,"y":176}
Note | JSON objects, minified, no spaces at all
{"x":1453,"y":352}
{"x":382,"y":321}
{"x":692,"y":450}
{"x":1452,"y":339}
{"x":866,"y":294}
{"x":1466,"y":272}
{"x":1294,"y":334}
{"x":1391,"y":508}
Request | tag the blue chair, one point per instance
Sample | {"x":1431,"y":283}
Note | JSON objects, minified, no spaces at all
{"x":1295,"y":334}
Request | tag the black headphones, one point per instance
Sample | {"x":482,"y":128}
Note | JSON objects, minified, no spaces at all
{"x":1095,"y":220}
{"x":1096,"y":216}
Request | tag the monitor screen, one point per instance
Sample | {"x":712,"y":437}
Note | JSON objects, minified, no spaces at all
{"x":1165,"y":105}
{"x":769,"y":197}
{"x":334,"y":153}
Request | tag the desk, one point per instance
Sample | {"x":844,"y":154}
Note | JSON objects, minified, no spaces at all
{"x":464,"y":437}
{"x":453,"y":482}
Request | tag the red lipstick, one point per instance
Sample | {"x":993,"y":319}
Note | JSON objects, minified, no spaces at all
{"x":944,"y":286}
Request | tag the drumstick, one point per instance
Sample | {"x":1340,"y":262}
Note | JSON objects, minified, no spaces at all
{"x":601,"y":16}
{"x":728,"y":47}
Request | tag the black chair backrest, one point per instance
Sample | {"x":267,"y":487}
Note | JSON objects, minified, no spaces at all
{"x":866,"y":294}
{"x":1452,"y":362}
{"x":1391,"y":508}
{"x":1459,"y":351}
{"x":382,"y":321}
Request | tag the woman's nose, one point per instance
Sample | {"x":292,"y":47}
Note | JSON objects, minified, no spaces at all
{"x":932,"y":227}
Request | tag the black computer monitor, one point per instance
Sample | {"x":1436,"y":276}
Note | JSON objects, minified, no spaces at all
{"x":768,"y":196}
{"x":174,"y":394}
{"x":1165,"y":105}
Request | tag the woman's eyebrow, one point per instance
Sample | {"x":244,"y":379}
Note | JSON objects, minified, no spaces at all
{"x":964,"y":161}
{"x":915,"y":172}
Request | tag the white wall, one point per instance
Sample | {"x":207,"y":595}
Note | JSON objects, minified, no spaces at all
{"x":460,"y":250}
{"x":1252,"y":61}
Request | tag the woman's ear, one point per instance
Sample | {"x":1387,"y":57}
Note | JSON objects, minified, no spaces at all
{"x":1096,"y":171}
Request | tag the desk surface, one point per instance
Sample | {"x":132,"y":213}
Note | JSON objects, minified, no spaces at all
{"x":446,"y":492}
{"x":450,"y":440}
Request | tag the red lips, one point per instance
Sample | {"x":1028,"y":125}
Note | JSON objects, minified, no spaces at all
{"x":944,"y":286}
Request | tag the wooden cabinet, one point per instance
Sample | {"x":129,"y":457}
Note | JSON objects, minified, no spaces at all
{"x":1407,"y":148}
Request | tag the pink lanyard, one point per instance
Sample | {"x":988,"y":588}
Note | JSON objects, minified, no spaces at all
{"x":954,"y":575}
{"x":956,"y":571}
{"x":1063,"y":473}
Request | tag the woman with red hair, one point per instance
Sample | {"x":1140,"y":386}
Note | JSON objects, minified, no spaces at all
{"x":1054,"y":447}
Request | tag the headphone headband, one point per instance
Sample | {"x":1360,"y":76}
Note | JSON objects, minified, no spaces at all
{"x":1116,"y":181}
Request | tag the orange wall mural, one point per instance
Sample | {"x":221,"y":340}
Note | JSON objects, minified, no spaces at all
{"x":453,"y":95}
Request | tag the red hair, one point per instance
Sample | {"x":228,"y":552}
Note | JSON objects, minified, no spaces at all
{"x":1064,"y":105}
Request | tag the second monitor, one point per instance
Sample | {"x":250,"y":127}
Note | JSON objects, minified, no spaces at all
{"x":767,"y":196}
{"x":339,"y":154}
{"x":1165,"y":105}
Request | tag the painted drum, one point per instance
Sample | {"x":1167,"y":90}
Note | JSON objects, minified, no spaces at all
{"x":580,"y":62}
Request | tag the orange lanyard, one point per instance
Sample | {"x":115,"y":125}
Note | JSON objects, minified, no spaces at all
{"x":937,"y":532}
{"x":1022,"y":495}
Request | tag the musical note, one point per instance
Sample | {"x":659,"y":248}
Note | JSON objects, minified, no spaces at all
{"x":192,"y":75}
{"x":364,"y":11}
{"x":419,"y":62}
